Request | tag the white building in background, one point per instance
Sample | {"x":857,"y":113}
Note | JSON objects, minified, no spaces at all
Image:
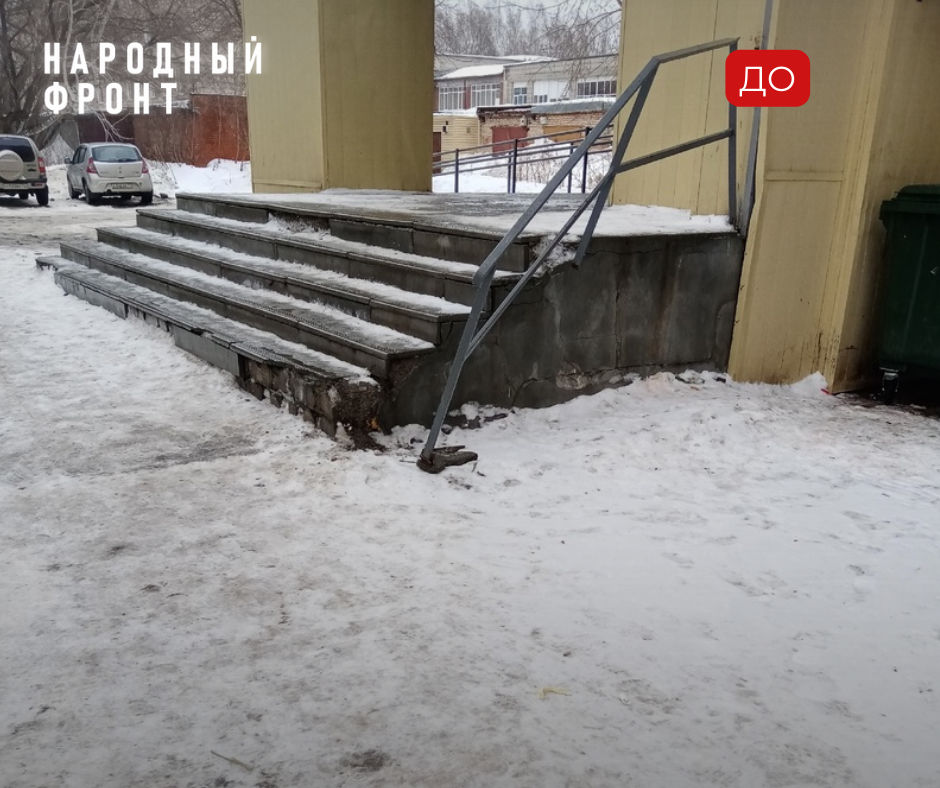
{"x":521,"y":80}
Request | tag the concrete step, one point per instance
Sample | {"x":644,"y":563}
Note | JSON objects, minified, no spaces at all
{"x":415,"y":273}
{"x":426,"y":317}
{"x":328,"y":392}
{"x":373,"y":228}
{"x":319,"y":327}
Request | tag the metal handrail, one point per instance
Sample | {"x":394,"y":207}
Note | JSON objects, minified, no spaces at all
{"x":439,"y":155}
{"x":524,"y":151}
{"x":483,"y":278}
{"x":519,"y":151}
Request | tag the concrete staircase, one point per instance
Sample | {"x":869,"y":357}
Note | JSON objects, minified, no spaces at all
{"x":349,"y":311}
{"x":332,"y":315}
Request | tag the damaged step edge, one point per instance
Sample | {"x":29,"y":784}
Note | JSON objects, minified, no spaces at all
{"x":325,"y":392}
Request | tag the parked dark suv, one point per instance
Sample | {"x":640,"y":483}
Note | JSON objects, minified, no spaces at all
{"x":22,"y":169}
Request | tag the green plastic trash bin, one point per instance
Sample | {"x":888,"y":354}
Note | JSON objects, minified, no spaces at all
{"x":910,"y":327}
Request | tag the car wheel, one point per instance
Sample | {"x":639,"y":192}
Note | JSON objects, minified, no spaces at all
{"x":23,"y":195}
{"x":146,"y":198}
{"x":73,"y":193}
{"x":90,"y":197}
{"x":42,"y":196}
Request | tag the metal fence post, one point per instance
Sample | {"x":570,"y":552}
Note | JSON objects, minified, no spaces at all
{"x":584,"y":171}
{"x":515,"y":164}
{"x":571,"y":173}
{"x":457,"y":171}
{"x":508,"y":170}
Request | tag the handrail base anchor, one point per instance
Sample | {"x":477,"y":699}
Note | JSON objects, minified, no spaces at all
{"x":445,"y":457}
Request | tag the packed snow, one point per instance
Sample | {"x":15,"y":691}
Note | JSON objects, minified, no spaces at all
{"x":684,"y":582}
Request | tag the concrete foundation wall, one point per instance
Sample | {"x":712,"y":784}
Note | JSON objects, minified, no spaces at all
{"x":636,"y":305}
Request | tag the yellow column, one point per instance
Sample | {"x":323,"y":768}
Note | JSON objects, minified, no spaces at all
{"x":344,"y":96}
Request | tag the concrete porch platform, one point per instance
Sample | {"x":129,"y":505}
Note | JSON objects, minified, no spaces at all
{"x":483,"y":215}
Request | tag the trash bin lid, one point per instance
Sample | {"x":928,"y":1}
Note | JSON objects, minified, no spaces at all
{"x":916,"y":198}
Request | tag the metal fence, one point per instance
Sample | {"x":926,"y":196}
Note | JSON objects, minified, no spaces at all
{"x":522,"y":153}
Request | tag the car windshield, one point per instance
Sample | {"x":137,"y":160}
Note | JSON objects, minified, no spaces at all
{"x":115,"y":153}
{"x":20,"y":147}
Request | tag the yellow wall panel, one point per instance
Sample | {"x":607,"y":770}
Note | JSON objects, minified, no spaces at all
{"x":345,"y":94}
{"x":284,"y":113}
{"x":687,"y":100}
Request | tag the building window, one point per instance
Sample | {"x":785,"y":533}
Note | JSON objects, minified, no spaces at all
{"x":520,"y":94}
{"x":547,"y":90}
{"x":588,"y":88}
{"x":484,"y":95}
{"x":450,"y":97}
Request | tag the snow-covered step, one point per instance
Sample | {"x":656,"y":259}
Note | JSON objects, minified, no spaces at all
{"x":446,"y":279}
{"x":426,"y":317}
{"x":324,"y":389}
{"x":319,"y":327}
{"x":372,"y":226}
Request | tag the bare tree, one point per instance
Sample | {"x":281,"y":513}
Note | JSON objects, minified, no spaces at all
{"x":27,"y":25}
{"x":562,"y":29}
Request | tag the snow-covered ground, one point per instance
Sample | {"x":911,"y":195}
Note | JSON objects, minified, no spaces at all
{"x":479,"y":183}
{"x":221,"y":176}
{"x":680,"y":583}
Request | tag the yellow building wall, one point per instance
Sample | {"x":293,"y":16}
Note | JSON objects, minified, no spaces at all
{"x":687,"y":99}
{"x":285,"y":114}
{"x":344,"y":94}
{"x":463,"y":131}
{"x":810,"y":183}
{"x":814,"y":264}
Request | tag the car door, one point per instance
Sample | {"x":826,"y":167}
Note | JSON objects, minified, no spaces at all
{"x":72,"y":173}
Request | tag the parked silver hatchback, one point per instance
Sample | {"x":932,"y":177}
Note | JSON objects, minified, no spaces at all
{"x":22,"y":169}
{"x":108,"y":169}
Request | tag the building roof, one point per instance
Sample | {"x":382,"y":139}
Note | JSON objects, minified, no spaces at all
{"x":573,"y":105}
{"x":469,"y":72}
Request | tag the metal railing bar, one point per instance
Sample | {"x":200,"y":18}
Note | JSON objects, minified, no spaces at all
{"x":665,"y":153}
{"x":698,"y":49}
{"x":617,"y":160}
{"x":733,"y":156}
{"x":534,"y":268}
{"x":523,"y":221}
{"x":750,"y":174}
{"x":501,"y":163}
{"x":441,"y":154}
{"x":482,"y":167}
{"x":525,"y":150}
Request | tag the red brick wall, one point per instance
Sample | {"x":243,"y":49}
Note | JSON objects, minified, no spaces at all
{"x":214,"y":127}
{"x":220,"y":128}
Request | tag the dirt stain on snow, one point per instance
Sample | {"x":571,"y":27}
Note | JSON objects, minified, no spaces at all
{"x":366,"y":761}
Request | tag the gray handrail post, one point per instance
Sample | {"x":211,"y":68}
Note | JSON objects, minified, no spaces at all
{"x":483,"y":278}
{"x":515,"y":164}
{"x":733,"y":157}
